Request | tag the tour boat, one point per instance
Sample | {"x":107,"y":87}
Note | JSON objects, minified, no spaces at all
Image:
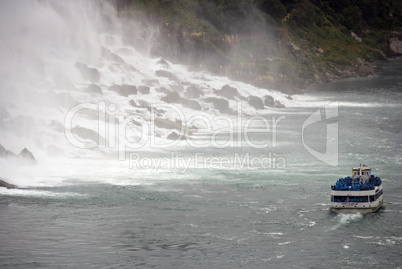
{"x":361,"y":193}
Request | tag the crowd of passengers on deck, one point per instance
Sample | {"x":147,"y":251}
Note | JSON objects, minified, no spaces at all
{"x":350,"y":184}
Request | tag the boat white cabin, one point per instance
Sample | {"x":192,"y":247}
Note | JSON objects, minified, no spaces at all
{"x":361,"y":193}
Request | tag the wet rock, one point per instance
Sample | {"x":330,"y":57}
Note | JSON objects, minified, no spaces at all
{"x":220,"y":104}
{"x":7,"y":185}
{"x":94,"y":88}
{"x":365,"y":70}
{"x":175,"y":136}
{"x":150,"y":82}
{"x":395,"y":46}
{"x":191,"y":104}
{"x":86,"y":133}
{"x":193,"y":91}
{"x":171,"y":97}
{"x":162,"y":89}
{"x":110,"y":56}
{"x":163,"y":63}
{"x":278,"y":104}
{"x":124,"y":90}
{"x":177,"y":87}
{"x":174,"y":97}
{"x":6,"y":153}
{"x":136,"y":122}
{"x":168,"y":124}
{"x":144,"y":89}
{"x":26,"y":157}
{"x":289,"y":97}
{"x":166,"y":74}
{"x":144,"y":104}
{"x":256,"y":102}
{"x":269,"y":101}
{"x":228,"y":92}
{"x":88,"y":73}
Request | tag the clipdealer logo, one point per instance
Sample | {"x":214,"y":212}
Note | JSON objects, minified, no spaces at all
{"x":127,"y":133}
{"x":113,"y":129}
{"x":330,"y":156}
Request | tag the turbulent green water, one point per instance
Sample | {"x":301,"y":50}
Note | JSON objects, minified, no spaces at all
{"x":100,"y":213}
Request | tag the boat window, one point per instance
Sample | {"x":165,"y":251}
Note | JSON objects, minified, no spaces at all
{"x":350,"y":199}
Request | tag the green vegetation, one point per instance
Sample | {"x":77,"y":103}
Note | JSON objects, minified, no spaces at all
{"x":267,"y":42}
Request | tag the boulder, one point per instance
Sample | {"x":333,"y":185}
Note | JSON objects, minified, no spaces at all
{"x":144,"y":103}
{"x":26,"y":157}
{"x":168,"y":124}
{"x":162,"y":89}
{"x":269,"y":101}
{"x":365,"y":70}
{"x":94,"y":88}
{"x":177,"y":87}
{"x":191,"y":104}
{"x":256,"y":102}
{"x":163,"y":63}
{"x":174,"y":136}
{"x":150,"y":81}
{"x":7,"y":185}
{"x":220,"y":104}
{"x":171,"y":97}
{"x":110,"y":56}
{"x":166,"y":74}
{"x":124,"y":90}
{"x":86,"y":133}
{"x":193,"y":91}
{"x":88,"y":73}
{"x":279,"y":104}
{"x":144,"y":89}
{"x":228,"y":92}
{"x":4,"y":153}
{"x":395,"y":46}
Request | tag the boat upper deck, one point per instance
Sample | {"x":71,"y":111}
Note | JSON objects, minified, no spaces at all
{"x":356,"y":184}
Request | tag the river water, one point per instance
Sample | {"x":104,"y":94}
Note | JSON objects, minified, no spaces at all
{"x":246,"y":198}
{"x":104,"y":214}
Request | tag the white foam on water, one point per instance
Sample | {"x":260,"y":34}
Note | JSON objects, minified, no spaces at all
{"x":345,"y":219}
{"x":39,"y":193}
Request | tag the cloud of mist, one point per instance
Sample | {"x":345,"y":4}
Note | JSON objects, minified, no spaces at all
{"x":39,"y":43}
